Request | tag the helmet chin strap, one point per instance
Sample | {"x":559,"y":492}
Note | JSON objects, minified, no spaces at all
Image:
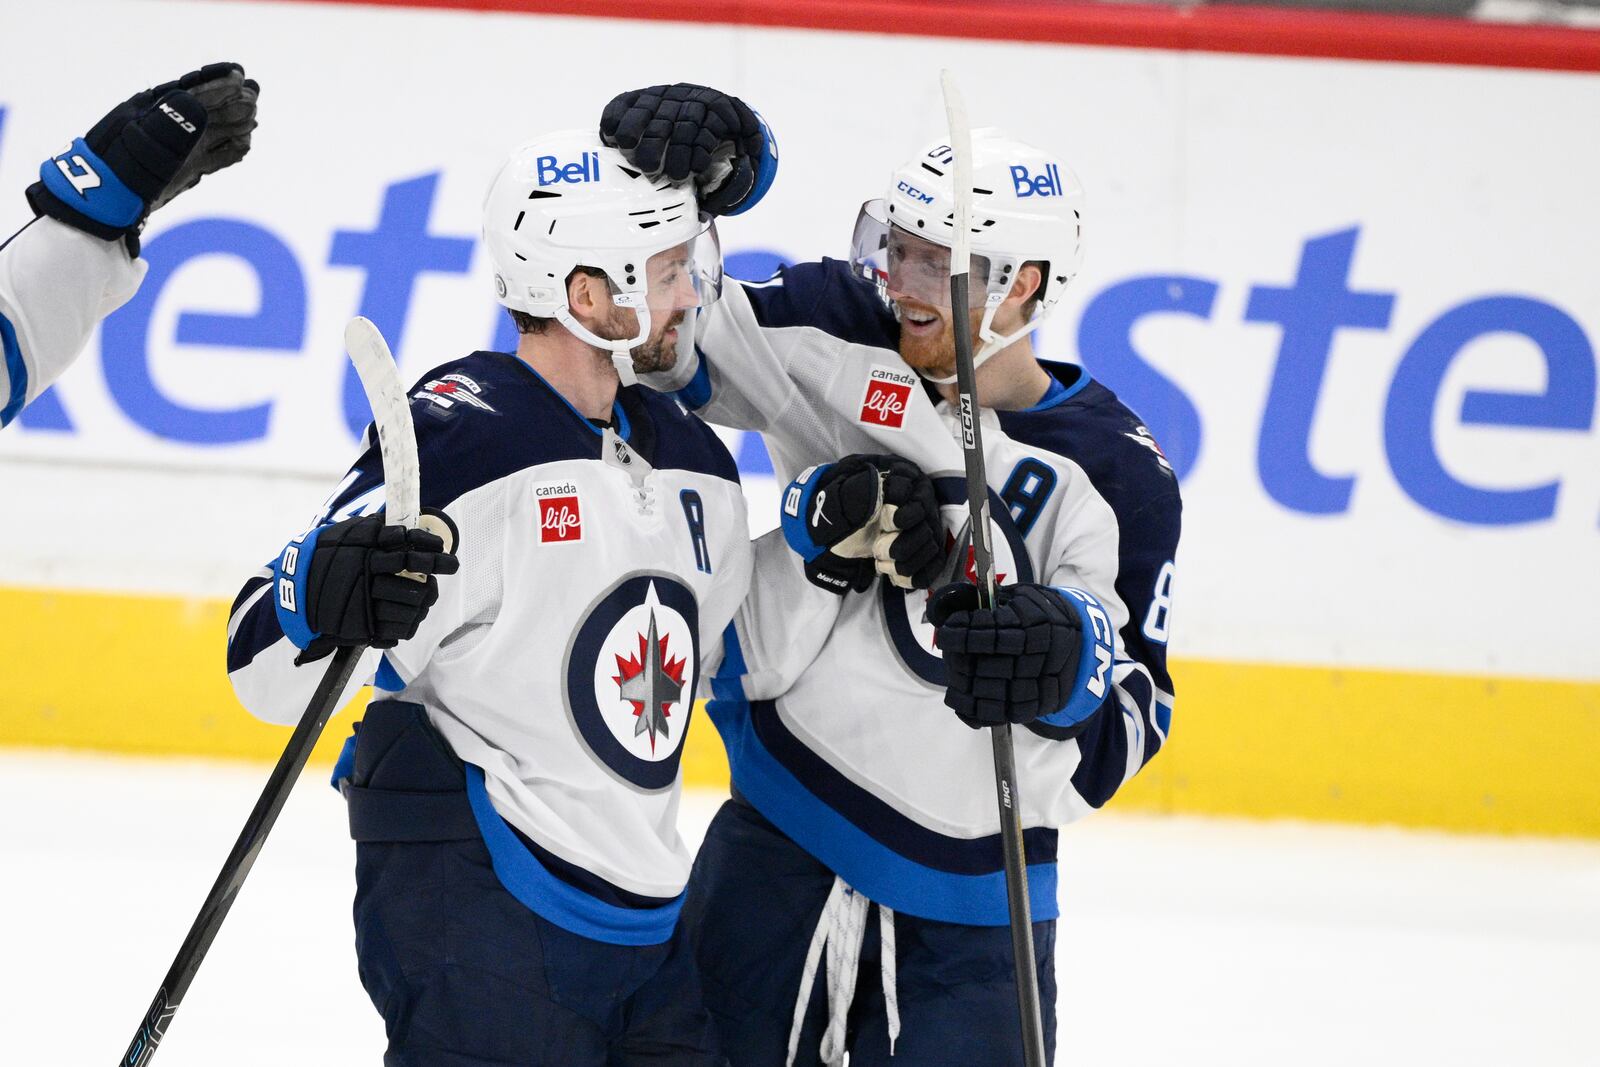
{"x":621,"y":351}
{"x":992,"y":342}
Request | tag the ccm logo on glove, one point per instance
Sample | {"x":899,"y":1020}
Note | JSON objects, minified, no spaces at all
{"x":1100,"y":636}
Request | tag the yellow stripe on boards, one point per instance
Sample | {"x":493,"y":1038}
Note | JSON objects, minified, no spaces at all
{"x":148,"y":675}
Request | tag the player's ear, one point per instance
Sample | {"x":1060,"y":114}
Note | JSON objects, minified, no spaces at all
{"x":1026,"y":285}
{"x":587,"y":296}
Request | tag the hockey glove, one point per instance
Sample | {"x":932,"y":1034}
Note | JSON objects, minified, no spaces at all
{"x":690,"y":131}
{"x":863,"y":516}
{"x":343,"y":584}
{"x":1024,"y":659}
{"x":146,"y":151}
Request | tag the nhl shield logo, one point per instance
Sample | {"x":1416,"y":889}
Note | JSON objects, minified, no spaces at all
{"x":631,"y":677}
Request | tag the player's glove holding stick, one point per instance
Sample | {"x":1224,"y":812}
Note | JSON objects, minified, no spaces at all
{"x":147,"y":150}
{"x":684,"y":131}
{"x":863,"y":516}
{"x":360,"y":582}
{"x":1039,"y":653}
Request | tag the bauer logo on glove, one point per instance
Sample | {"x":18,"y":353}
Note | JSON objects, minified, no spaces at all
{"x":865,"y":516}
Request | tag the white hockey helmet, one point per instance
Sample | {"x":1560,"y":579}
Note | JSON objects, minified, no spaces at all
{"x":565,"y":201}
{"x":1026,"y":206}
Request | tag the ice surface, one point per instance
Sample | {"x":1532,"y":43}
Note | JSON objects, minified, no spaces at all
{"x":1184,"y":942}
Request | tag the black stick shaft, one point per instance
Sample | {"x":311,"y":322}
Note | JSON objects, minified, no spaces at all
{"x":237,"y":867}
{"x":1005,"y":759}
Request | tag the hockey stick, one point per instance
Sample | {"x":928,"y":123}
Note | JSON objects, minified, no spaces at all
{"x":1005,"y":760}
{"x":397,"y":442}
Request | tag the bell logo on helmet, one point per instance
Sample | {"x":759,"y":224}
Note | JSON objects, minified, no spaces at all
{"x":551,"y":171}
{"x":1046,"y":184}
{"x":916,"y":194}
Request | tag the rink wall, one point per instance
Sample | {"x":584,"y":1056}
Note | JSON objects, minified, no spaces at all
{"x":1343,"y":266}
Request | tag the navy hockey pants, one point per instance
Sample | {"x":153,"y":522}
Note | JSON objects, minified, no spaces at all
{"x":463,"y":973}
{"x":753,"y":903}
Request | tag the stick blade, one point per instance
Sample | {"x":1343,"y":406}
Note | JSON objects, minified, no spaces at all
{"x":391,"y":414}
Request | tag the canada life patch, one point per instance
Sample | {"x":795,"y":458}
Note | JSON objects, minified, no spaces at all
{"x":887,"y":398}
{"x":560,"y":517}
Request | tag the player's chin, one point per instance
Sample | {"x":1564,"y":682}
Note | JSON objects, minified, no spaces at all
{"x":656,"y":356}
{"x":931,"y":355}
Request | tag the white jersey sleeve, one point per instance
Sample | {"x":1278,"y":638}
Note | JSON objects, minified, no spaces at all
{"x":56,"y":284}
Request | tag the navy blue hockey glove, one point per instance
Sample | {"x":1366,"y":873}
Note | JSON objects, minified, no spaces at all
{"x":863,"y":516}
{"x":686,"y":131}
{"x":1024,"y":659}
{"x":342,"y":584}
{"x":147,"y":150}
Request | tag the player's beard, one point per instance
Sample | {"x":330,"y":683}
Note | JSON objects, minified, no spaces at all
{"x":656,"y":353}
{"x":931,"y":350}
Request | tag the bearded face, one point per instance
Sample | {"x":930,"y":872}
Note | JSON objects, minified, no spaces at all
{"x":659,"y":351}
{"x":928,"y":336}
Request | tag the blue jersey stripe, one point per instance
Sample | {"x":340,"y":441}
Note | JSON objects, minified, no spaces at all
{"x":873,"y":848}
{"x":16,"y":373}
{"x":549,"y":897}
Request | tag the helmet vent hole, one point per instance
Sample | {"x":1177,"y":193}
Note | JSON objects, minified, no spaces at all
{"x":919,"y":224}
{"x":646,"y":211}
{"x":520,"y":256}
{"x":629,"y":171}
{"x":518,"y":224}
{"x":674,"y":218}
{"x":987,"y":223}
{"x":541,"y":194}
{"x":632,"y":280}
{"x":552,"y":228}
{"x":647,"y":225}
{"x":931,"y":169}
{"x":628,"y":267}
{"x":983,"y":192}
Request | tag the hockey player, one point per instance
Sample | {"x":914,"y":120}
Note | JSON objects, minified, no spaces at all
{"x":853,"y":783}
{"x":78,"y":260}
{"x":514,"y":793}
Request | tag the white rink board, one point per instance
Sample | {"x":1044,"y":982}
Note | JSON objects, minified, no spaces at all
{"x":1209,"y":178}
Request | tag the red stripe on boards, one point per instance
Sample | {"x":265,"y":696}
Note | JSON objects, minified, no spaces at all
{"x":1218,"y":28}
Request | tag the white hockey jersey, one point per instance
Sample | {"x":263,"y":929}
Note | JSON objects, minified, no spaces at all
{"x":56,"y":284}
{"x":832,"y":708}
{"x":598,"y":571}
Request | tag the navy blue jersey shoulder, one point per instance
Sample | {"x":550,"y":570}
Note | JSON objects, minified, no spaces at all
{"x":1088,"y":425}
{"x":482,"y":418}
{"x":828,"y":296}
{"x":670,"y":438}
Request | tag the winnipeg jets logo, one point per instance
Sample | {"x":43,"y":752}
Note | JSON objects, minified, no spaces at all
{"x":652,"y":679}
{"x":631,"y":672}
{"x":905,"y":611}
{"x":1142,"y":436}
{"x":446,"y":395}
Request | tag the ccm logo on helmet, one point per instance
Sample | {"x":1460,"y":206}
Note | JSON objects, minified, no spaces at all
{"x":1046,"y":184}
{"x":553,"y":172}
{"x":916,"y":194}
